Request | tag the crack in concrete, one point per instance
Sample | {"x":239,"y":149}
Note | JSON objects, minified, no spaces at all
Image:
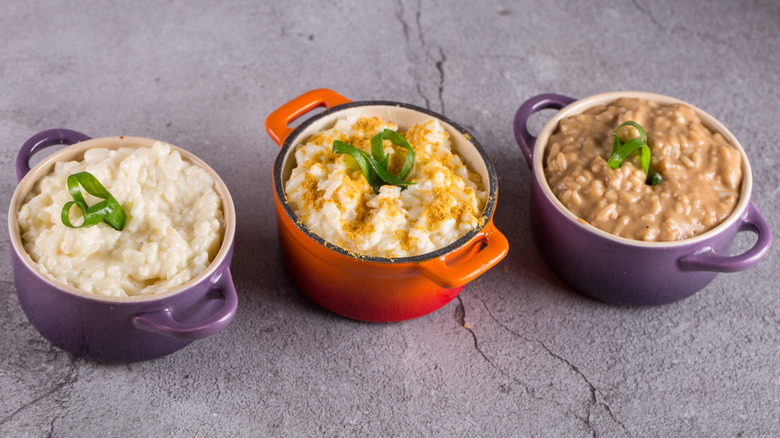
{"x":591,"y":387}
{"x":440,"y":68}
{"x":51,"y":428}
{"x":423,"y":96}
{"x":594,"y":392}
{"x":460,"y":314}
{"x":419,"y":53}
{"x":71,"y":377}
{"x":461,"y":310}
{"x":647,"y":13}
{"x":417,"y":15}
{"x":399,"y":15}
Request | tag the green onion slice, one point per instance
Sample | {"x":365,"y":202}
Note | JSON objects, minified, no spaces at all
{"x":363,"y":160}
{"x":379,"y":153}
{"x":374,"y":166}
{"x":385,"y":175}
{"x":621,"y":151}
{"x":107,"y":210}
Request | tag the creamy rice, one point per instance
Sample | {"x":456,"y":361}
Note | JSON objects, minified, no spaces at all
{"x":172,"y":232}
{"x":332,"y":198}
{"x":701,"y":171}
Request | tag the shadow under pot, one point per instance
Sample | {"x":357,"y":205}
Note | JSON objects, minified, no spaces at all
{"x":118,"y":329}
{"x":370,"y":288}
{"x":620,"y":270}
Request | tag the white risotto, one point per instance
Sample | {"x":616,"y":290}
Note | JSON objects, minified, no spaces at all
{"x":332,"y":198}
{"x":172,"y":232}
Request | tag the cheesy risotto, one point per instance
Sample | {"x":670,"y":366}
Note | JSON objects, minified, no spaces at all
{"x":332,"y":198}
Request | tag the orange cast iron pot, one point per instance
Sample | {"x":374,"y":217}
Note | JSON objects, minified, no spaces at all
{"x":377,"y":289}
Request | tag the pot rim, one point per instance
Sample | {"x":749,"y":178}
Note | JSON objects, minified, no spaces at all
{"x":485,"y":216}
{"x":75,"y":152}
{"x":580,"y":105}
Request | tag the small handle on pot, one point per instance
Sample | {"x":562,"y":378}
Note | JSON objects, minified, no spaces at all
{"x":277,"y":122}
{"x":708,"y":260}
{"x":532,"y":105}
{"x":452,"y":276}
{"x":161,"y":321}
{"x":41,"y":141}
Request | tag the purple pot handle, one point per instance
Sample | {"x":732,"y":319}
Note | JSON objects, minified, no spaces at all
{"x":161,"y":321}
{"x":708,"y":260}
{"x":532,"y":105}
{"x":42,"y":140}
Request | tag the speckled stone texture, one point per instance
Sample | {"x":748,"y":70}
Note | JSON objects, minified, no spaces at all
{"x":518,"y":353}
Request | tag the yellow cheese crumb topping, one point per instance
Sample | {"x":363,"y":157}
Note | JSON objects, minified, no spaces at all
{"x":447,"y":198}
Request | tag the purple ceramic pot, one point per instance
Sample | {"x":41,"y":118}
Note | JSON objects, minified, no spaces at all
{"x":619,"y":270}
{"x":118,"y":329}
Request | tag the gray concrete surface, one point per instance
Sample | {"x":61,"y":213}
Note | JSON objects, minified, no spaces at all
{"x":538,"y":359}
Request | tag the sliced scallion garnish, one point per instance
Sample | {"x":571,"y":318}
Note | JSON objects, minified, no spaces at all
{"x":362,"y":159}
{"x":374,"y":166}
{"x":378,"y":150}
{"x":107,"y":210}
{"x":621,"y":151}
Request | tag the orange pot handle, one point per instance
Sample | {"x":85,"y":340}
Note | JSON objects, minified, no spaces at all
{"x":277,"y":122}
{"x":452,"y":276}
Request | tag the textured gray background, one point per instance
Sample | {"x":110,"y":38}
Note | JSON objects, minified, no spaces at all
{"x":539,"y":359}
